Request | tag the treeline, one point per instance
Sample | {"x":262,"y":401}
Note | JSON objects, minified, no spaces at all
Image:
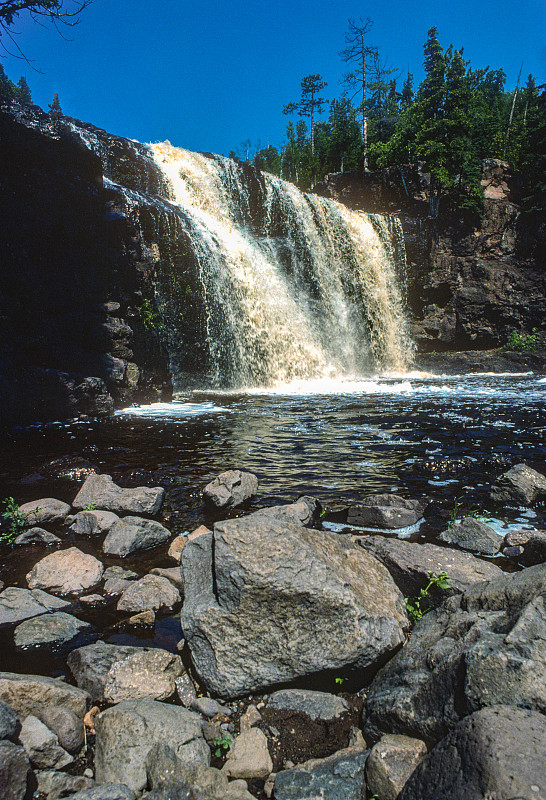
{"x":14,"y":91}
{"x":455,"y":118}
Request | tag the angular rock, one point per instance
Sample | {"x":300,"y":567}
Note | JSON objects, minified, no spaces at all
{"x":9,"y":721}
{"x":93,"y":523}
{"x":165,"y":769}
{"x":279,"y":602}
{"x":338,"y":777}
{"x":392,"y":760}
{"x":208,"y":707}
{"x":14,"y":769}
{"x":115,"y":586}
{"x":231,"y":488}
{"x":104,"y":494}
{"x":317,"y":705}
{"x":36,"y":536}
{"x":173,"y":574}
{"x":42,"y":745}
{"x":150,"y":592}
{"x":30,"y":694}
{"x":66,"y":572}
{"x":185,"y":689}
{"x":53,"y":784}
{"x":119,"y":572}
{"x":299,"y":513}
{"x":248,"y":757}
{"x":146,"y":619}
{"x":45,"y":511}
{"x":474,"y":535}
{"x":495,"y":752}
{"x":131,"y":534}
{"x":18,"y":604}
{"x":106,"y":791}
{"x":520,"y":485}
{"x":385,"y":511}
{"x":113,"y":673}
{"x":485,"y":648}
{"x":67,"y":727}
{"x":531,"y":544}
{"x":49,"y":631}
{"x":176,"y":547}
{"x":127,"y":732}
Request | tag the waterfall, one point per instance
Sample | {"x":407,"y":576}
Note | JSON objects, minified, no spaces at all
{"x":291,"y":285}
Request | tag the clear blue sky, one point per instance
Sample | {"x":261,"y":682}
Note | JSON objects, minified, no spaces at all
{"x":208,"y":75}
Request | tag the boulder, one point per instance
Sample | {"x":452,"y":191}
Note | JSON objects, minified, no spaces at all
{"x":392,"y":760}
{"x":101,"y":492}
{"x":248,"y":757}
{"x":14,"y":769}
{"x":93,"y":523}
{"x":119,"y":572}
{"x":45,"y":511}
{"x":49,"y":630}
{"x":301,"y":512}
{"x":53,"y":785}
{"x":9,"y":721}
{"x":338,"y":777}
{"x":65,"y":725}
{"x":388,"y":511}
{"x":36,"y":536}
{"x":531,"y":546}
{"x":30,"y":694}
{"x":483,"y":648}
{"x":105,"y":791}
{"x":521,"y":485}
{"x":165,"y":770}
{"x":18,"y":604}
{"x":280,"y":602}
{"x":131,"y":534}
{"x":127,"y":732}
{"x":150,"y":592}
{"x":42,"y":745}
{"x":173,"y":574}
{"x":66,"y":572}
{"x":317,"y":705}
{"x":497,"y":752}
{"x":474,"y":535}
{"x":230,"y":489}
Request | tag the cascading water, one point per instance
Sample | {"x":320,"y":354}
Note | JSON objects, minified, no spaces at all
{"x":293,"y":286}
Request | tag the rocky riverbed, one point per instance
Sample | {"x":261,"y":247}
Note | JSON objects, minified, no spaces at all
{"x":309,"y":659}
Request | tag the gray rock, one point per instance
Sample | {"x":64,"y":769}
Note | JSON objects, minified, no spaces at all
{"x":283,"y":602}
{"x":173,"y":574}
{"x":474,"y":535}
{"x":115,"y":586}
{"x":485,"y":648}
{"x":54,"y":784}
{"x":165,"y":769}
{"x":9,"y":721}
{"x":49,"y":630}
{"x":44,"y":511}
{"x":231,"y":488}
{"x":531,"y":546}
{"x":36,"y":536}
{"x":248,"y":756}
{"x":42,"y":745}
{"x":30,"y":694}
{"x":317,"y":705}
{"x":208,"y":707}
{"x":93,"y":600}
{"x":497,"y":752}
{"x":112,"y":673}
{"x":338,"y":777}
{"x":298,"y":513}
{"x":103,"y":493}
{"x":66,"y":572}
{"x":131,"y":534}
{"x":17,"y":604}
{"x":106,"y":791}
{"x":150,"y":592}
{"x":521,"y":485}
{"x":14,"y":769}
{"x":65,"y":725}
{"x":385,"y":511}
{"x":93,"y":523}
{"x":185,"y":689}
{"x":119,"y":572}
{"x":392,"y":760}
{"x":127,"y":732}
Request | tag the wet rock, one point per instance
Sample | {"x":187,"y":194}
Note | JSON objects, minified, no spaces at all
{"x":113,"y":673}
{"x":103,"y":493}
{"x":231,"y":488}
{"x":119,"y":572}
{"x":150,"y":592}
{"x":130,"y":534}
{"x":30,"y":694}
{"x":338,"y":777}
{"x":115,"y":586}
{"x":484,"y":648}
{"x":9,"y":721}
{"x":104,"y":791}
{"x":208,"y":707}
{"x":127,"y":732}
{"x":93,"y":523}
{"x":65,"y":725}
{"x":66,"y":572}
{"x":173,"y":574}
{"x":18,"y":604}
{"x":474,"y":535}
{"x":317,"y":705}
{"x":495,"y":752}
{"x":47,"y":510}
{"x":280,"y":602}
{"x":385,"y":511}
{"x":49,"y":630}
{"x":300,"y":513}
{"x":36,"y":536}
{"x":53,"y":784}
{"x":248,"y":757}
{"x":68,"y":468}
{"x":391,"y":762}
{"x":146,"y":619}
{"x":93,"y":600}
{"x":42,"y":745}
{"x":521,"y":485}
{"x":531,"y":546}
{"x":14,"y":769}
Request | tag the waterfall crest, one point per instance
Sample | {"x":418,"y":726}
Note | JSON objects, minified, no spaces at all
{"x":293,"y":286}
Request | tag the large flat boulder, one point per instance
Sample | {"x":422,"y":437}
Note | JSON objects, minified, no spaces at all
{"x":474,"y":535}
{"x":388,"y":511}
{"x":100,"y":491}
{"x":66,"y":572}
{"x":131,"y":534}
{"x":30,"y":694}
{"x":230,"y":489}
{"x":279,"y":602}
{"x":48,"y":511}
{"x":18,"y":604}
{"x":317,"y":705}
{"x":49,"y":631}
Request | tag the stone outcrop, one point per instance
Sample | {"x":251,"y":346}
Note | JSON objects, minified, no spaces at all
{"x":17,"y":604}
{"x":101,"y":492}
{"x":30,"y":694}
{"x":230,"y":489}
{"x":66,"y":572}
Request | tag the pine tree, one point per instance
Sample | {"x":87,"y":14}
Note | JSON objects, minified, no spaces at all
{"x":55,"y":107}
{"x":363,"y":56}
{"x":23,"y":91}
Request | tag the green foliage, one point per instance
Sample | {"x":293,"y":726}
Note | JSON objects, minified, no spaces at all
{"x":89,"y":507}
{"x":15,"y":519}
{"x":340,"y":681}
{"x":523,"y":342}
{"x":148,"y":315}
{"x":20,"y":92}
{"x":413,"y":604}
{"x":221,"y":745}
{"x":55,"y":107}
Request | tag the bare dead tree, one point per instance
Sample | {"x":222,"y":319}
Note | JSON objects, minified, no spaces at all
{"x":57,"y":12}
{"x":363,"y":56}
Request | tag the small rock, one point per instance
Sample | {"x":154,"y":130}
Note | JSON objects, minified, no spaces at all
{"x":131,"y":534}
{"x":208,"y":707}
{"x":115,"y":586}
{"x":119,"y":572}
{"x":49,"y":630}
{"x":36,"y":536}
{"x":391,"y":762}
{"x":9,"y":721}
{"x":93,"y":600}
{"x":14,"y":769}
{"x":47,"y":510}
{"x":173,"y":574}
{"x":474,"y":535}
{"x":520,"y":485}
{"x":66,"y":572}
{"x":317,"y":705}
{"x":93,"y":523}
{"x":185,"y":689}
{"x":249,"y":718}
{"x":42,"y":746}
{"x":200,"y":531}
{"x":150,"y":592}
{"x":146,"y":619}
{"x":104,"y":791}
{"x":249,"y":756}
{"x":338,"y":777}
{"x":68,"y":728}
{"x":385,"y":511}
{"x":103,"y":493}
{"x":176,"y":547}
{"x":231,"y":488}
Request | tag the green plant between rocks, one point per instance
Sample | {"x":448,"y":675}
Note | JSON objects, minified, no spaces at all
{"x":221,"y":745}
{"x":523,"y":342}
{"x":15,"y":518}
{"x":148,"y":315}
{"x":89,"y":507}
{"x":413,"y":604}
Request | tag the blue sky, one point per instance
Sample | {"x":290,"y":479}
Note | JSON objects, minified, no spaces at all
{"x":208,"y":75}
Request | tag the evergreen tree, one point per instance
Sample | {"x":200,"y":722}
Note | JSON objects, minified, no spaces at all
{"x":55,"y":107}
{"x":407,"y":91}
{"x":309,"y":103}
{"x":20,"y":92}
{"x":23,"y":91}
{"x":362,"y":55}
{"x":268,"y":160}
